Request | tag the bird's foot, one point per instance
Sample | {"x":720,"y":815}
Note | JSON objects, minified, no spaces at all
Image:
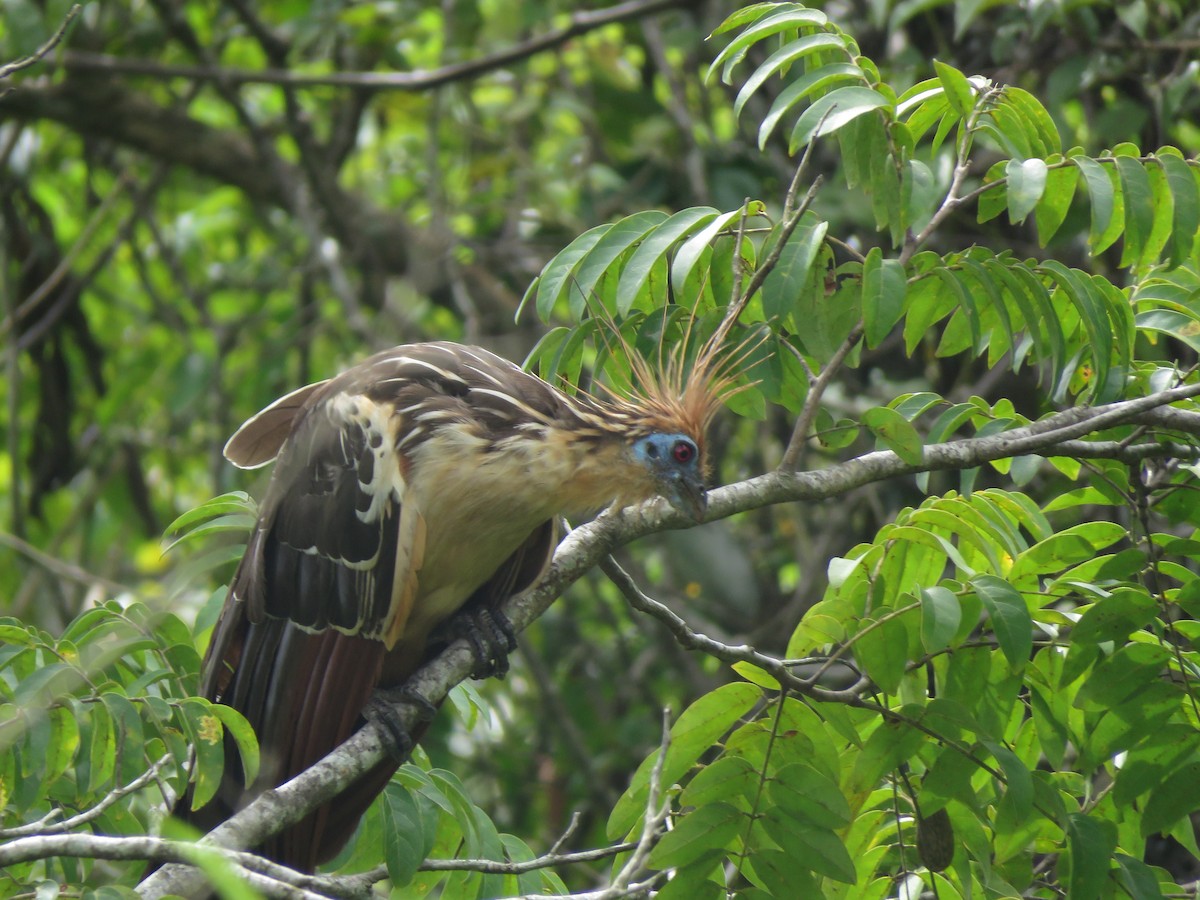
{"x":381,"y":709}
{"x":491,"y":636}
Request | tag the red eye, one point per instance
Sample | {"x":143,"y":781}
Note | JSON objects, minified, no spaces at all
{"x":683,"y":452}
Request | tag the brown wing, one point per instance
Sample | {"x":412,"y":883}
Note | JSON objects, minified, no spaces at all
{"x":259,"y":440}
{"x":296,"y":649}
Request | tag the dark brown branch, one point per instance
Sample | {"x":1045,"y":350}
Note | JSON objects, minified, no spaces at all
{"x":580,"y":23}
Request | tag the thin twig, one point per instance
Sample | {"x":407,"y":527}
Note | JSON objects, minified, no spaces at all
{"x":653,"y":821}
{"x":62,"y":568}
{"x":545,"y":861}
{"x":47,"y":824}
{"x":26,"y":61}
{"x":799,"y":438}
{"x":792,"y":214}
{"x":962,"y":165}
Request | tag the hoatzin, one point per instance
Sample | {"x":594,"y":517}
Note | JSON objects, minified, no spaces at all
{"x":425,"y":481}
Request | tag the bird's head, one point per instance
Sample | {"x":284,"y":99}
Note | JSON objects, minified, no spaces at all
{"x":675,"y":465}
{"x":657,"y":420}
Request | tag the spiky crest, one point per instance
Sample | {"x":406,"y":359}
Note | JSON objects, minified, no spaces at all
{"x":670,"y":394}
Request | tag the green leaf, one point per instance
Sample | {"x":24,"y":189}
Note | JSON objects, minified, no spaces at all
{"x":953,"y":281}
{"x":784,"y":57}
{"x":1042,"y":126}
{"x":64,"y":742}
{"x":778,"y":873}
{"x":788,"y":281}
{"x":833,"y":111}
{"x":896,"y":433}
{"x":881,"y":651}
{"x":731,"y":779}
{"x":788,"y":19}
{"x":243,"y":735}
{"x":700,"y":834}
{"x":1026,"y":184}
{"x":815,"y":82}
{"x":697,"y":729}
{"x":1115,"y":617}
{"x":558,"y":274}
{"x":1093,"y":311}
{"x":1091,"y":842}
{"x":205,"y":734}
{"x":809,"y":796}
{"x":1186,"y":213}
{"x":1011,"y":131}
{"x":1163,"y":212}
{"x":1138,"y":878}
{"x":1011,"y":622}
{"x":1068,"y":547}
{"x":894,"y":742}
{"x":811,"y":846}
{"x":1139,"y":208}
{"x":958,"y":89}
{"x":756,"y":675}
{"x":127,"y":726}
{"x":1100,"y":193}
{"x":654,"y":246}
{"x":606,"y":251}
{"x":237,"y":523}
{"x":1183,"y":326}
{"x":231,"y":503}
{"x":406,"y":839}
{"x":1117,"y":679}
{"x":932,"y":107}
{"x":1061,"y":182}
{"x":694,"y":247}
{"x":999,"y":341}
{"x":1018,"y":794}
{"x":884,"y":289}
{"x":102,"y":749}
{"x":941,"y":616}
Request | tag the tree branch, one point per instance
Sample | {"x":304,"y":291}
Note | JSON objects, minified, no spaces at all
{"x":270,"y":878}
{"x":580,"y":23}
{"x":49,"y":824}
{"x":52,"y":42}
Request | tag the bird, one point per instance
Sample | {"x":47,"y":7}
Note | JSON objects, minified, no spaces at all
{"x":419,"y":488}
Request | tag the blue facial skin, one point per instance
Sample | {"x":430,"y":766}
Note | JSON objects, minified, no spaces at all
{"x":674,"y":461}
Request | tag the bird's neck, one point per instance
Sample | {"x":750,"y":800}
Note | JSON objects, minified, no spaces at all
{"x":595,"y":472}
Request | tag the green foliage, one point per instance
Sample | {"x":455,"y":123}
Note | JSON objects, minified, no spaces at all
{"x":991,"y":639}
{"x":980,"y":680}
{"x":85,"y":715}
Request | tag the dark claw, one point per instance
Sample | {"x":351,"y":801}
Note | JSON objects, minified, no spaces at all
{"x":381,"y":709}
{"x":491,"y":636}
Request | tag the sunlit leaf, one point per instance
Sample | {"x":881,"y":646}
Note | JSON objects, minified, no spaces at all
{"x":1026,"y":184}
{"x":834,"y":110}
{"x":896,"y":433}
{"x":698,"y":835}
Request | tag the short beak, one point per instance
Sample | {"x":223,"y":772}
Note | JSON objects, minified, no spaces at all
{"x":690,"y":498}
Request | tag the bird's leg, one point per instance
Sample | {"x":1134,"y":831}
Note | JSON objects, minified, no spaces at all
{"x":381,"y":709}
{"x":491,"y":636}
